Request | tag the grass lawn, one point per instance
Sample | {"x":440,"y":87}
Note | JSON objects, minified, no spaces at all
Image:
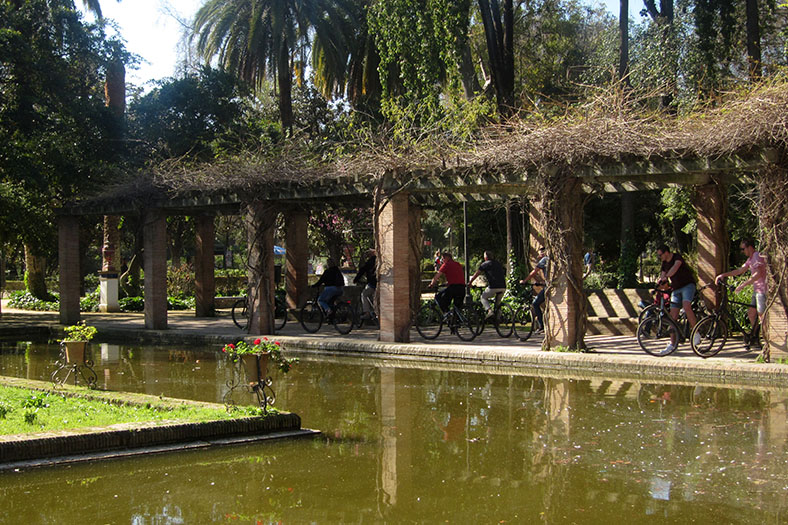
{"x":23,"y":411}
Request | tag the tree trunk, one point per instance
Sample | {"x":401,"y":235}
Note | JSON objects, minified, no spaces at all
{"x":627,"y":257}
{"x":285,"y":80}
{"x":35,"y":274}
{"x":470,"y":82}
{"x":753,"y":40}
{"x":499,"y":38}
{"x":623,"y":57}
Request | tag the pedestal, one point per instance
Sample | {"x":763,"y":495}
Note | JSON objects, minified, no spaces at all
{"x":108,"y":293}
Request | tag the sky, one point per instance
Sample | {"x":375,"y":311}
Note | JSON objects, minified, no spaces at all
{"x":152,"y":29}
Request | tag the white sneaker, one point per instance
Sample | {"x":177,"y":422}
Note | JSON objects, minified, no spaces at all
{"x":668,"y":349}
{"x":696,"y":339}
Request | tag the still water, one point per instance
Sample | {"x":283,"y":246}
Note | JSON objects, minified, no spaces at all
{"x":404,"y":444}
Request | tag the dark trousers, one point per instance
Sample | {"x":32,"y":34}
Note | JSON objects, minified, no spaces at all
{"x":445,"y":296}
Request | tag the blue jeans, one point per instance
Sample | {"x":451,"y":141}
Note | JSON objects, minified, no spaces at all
{"x":685,"y":294}
{"x":328,"y":295}
{"x":538,"y":301}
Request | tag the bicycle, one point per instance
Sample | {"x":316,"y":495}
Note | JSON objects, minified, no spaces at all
{"x":524,"y":317}
{"x":658,"y":333}
{"x":342,"y":316}
{"x":240,"y":313}
{"x":715,"y":328}
{"x":502,"y":318}
{"x":429,"y":321}
{"x":359,"y":313}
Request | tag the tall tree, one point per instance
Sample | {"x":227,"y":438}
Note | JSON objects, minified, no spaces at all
{"x":753,"y":40}
{"x":663,"y":17}
{"x":55,"y":132}
{"x":255,"y":38}
{"x":499,"y":35}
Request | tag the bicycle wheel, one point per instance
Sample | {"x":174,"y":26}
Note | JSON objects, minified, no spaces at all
{"x":240,"y":317}
{"x":344,"y":318}
{"x":504,"y":321}
{"x":478,"y":316}
{"x":311,"y":317}
{"x":429,"y":320}
{"x":524,"y":322}
{"x":713,"y":333}
{"x":466,"y":323}
{"x":649,"y":310}
{"x":658,"y":335}
{"x":280,"y":314}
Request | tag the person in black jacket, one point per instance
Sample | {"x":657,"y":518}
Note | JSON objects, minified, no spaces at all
{"x":368,"y":271}
{"x":335,"y":283}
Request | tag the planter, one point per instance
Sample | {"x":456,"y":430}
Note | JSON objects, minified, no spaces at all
{"x":256,"y":366}
{"x":75,"y":351}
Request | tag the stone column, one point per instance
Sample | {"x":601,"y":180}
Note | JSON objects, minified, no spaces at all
{"x":204,"y":283}
{"x":110,"y":266}
{"x":297,"y":267}
{"x":260,"y":225}
{"x":394,"y":265}
{"x":154,"y":234}
{"x":68,"y":260}
{"x":711,"y":202}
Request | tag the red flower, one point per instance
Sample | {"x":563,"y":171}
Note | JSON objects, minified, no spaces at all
{"x":257,"y":341}
{"x":277,"y":343}
{"x":231,"y":346}
{"x":265,"y":339}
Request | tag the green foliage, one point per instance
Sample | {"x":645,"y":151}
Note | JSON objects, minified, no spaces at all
{"x":260,"y":346}
{"x":627,"y":265}
{"x":90,"y":303}
{"x":24,"y":300}
{"x":56,"y":134}
{"x":4,"y":410}
{"x":79,"y":332}
{"x":180,"y":281}
{"x":131,"y":304}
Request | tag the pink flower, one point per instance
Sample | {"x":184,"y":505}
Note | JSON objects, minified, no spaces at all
{"x":257,"y":341}
{"x":265,"y":339}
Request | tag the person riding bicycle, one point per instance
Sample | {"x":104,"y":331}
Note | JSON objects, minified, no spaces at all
{"x":756,"y":264}
{"x":368,"y":271}
{"x":335,"y":283}
{"x":455,"y":280}
{"x":539,"y":274}
{"x":496,"y":280}
{"x":683,"y":283}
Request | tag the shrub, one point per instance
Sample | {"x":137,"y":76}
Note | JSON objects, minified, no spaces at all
{"x":180,"y":281}
{"x":24,"y":300}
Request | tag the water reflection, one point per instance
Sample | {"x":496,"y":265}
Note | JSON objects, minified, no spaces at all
{"x":410,"y":444}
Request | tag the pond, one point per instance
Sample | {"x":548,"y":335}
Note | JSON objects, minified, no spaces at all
{"x":404,"y":442}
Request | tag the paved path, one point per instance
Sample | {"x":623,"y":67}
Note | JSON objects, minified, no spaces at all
{"x":610,"y":355}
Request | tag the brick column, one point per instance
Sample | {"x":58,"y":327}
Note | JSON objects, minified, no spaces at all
{"x":776,"y":326}
{"x":297,"y":267}
{"x":68,"y":260}
{"x":711,"y":202}
{"x":565,"y":315}
{"x":394,"y":264}
{"x":154,"y":242}
{"x":536,"y":237}
{"x":260,"y":224}
{"x":204,"y":282}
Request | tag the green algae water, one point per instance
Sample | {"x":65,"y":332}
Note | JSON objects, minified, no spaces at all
{"x":434,"y":443}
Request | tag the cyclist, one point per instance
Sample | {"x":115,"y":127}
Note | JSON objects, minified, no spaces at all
{"x":335,"y":283}
{"x":455,"y":280}
{"x":539,"y":274}
{"x":756,"y":264}
{"x":683,"y":283}
{"x":369,"y":271}
{"x":496,"y":280}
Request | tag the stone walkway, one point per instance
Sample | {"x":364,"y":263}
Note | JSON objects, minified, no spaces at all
{"x":612,"y":356}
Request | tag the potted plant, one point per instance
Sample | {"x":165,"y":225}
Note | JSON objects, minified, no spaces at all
{"x":257,"y":356}
{"x":76,"y":340}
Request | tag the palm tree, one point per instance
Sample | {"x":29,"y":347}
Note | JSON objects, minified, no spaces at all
{"x":255,"y":38}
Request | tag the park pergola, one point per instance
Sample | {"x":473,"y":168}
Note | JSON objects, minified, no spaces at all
{"x":555,"y":166}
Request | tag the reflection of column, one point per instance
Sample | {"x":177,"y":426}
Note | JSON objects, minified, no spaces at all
{"x":396,"y":434}
{"x":778,"y":419}
{"x":109,"y":353}
{"x":557,"y":403}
